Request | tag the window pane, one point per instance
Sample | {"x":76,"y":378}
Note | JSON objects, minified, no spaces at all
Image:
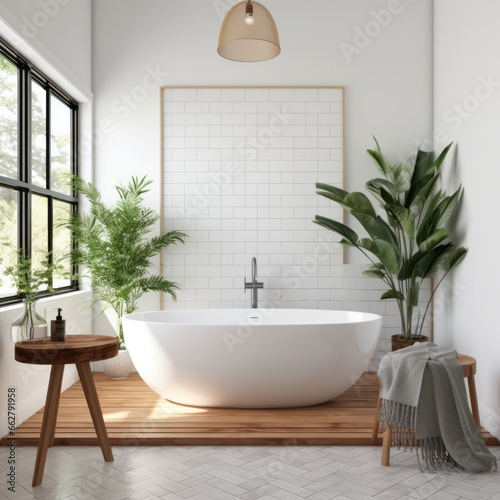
{"x":38,"y":131}
{"x":8,"y":238}
{"x":8,"y":118}
{"x":61,"y":245}
{"x":60,"y":144}
{"x":39,"y":229}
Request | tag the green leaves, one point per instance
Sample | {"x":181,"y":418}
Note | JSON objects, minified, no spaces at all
{"x":424,"y":177}
{"x":352,"y":202}
{"x":412,"y":294}
{"x":115,"y":245}
{"x":30,"y":278}
{"x":439,"y":210}
{"x":389,"y":256}
{"x":392,"y":294}
{"x":337,"y":227}
{"x":453,"y":259}
{"x":401,"y":178}
{"x":405,"y":218}
{"x":376,"y":227}
{"x":374,"y":273}
{"x":408,"y":169}
{"x":385,"y":190}
{"x":434,"y":239}
{"x":358,"y":203}
{"x":411,"y":244}
{"x":429,"y":263}
{"x":326,"y":189}
{"x":379,"y":160}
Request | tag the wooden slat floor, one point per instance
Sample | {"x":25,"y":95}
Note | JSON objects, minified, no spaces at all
{"x":136,"y":415}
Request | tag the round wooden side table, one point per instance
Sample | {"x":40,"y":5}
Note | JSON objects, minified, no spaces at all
{"x":80,"y":350}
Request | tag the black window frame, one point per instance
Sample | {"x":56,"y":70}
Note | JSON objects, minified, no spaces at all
{"x":23,"y":185}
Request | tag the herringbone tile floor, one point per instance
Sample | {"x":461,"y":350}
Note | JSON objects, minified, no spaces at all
{"x":246,"y":473}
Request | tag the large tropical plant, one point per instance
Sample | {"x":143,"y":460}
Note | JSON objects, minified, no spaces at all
{"x":113,"y":245}
{"x":413,"y":244}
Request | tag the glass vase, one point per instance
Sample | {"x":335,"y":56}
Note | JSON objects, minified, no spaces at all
{"x":29,"y":326}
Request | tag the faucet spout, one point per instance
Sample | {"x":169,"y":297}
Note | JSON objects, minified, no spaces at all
{"x":254,"y":285}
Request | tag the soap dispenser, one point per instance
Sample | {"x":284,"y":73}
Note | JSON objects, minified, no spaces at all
{"x":58,"y":328}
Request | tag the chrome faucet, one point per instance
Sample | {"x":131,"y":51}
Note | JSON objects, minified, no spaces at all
{"x":254,"y":285}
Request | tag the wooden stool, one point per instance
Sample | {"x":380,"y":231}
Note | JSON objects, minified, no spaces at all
{"x":469,"y":368}
{"x":80,"y":350}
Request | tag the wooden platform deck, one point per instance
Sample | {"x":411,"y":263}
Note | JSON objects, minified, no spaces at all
{"x":136,"y":415}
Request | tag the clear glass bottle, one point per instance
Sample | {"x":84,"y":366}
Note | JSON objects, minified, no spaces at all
{"x":29,"y":325}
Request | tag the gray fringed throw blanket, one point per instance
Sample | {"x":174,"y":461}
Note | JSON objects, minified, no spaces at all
{"x":423,"y":391}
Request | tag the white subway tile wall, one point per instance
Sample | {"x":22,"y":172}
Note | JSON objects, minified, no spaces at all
{"x":239,"y":173}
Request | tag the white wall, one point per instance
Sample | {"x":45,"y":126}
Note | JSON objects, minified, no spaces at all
{"x":60,"y":31}
{"x":388,"y":81}
{"x":61,"y":48}
{"x":467,"y":110}
{"x":388,"y":84}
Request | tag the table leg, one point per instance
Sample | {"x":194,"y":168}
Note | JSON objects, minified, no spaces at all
{"x":473,"y":400}
{"x":386,"y":446}
{"x":57,"y":396}
{"x":49,"y":421}
{"x":95,"y":409}
{"x":377,"y":412}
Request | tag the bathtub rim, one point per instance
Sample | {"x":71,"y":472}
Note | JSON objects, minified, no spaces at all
{"x":373,"y":317}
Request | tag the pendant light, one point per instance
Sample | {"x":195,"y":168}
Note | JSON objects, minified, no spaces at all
{"x":248,"y":34}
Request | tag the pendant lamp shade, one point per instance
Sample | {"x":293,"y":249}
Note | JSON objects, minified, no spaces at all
{"x":248,"y":34}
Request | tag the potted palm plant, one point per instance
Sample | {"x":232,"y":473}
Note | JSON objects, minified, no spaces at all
{"x":412,"y":245}
{"x":112,"y":243}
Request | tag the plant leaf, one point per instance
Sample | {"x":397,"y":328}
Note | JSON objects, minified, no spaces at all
{"x":331,"y":196}
{"x":429,"y":263}
{"x":405,"y":218}
{"x":447,"y":207}
{"x":409,"y":168}
{"x":434,"y":239}
{"x":401,"y":178}
{"x":437,"y":217}
{"x":453,"y":259}
{"x":412,"y":294}
{"x":435,"y":201}
{"x":423,"y":164}
{"x":389,"y":256}
{"x":379,"y":160}
{"x":377,"y":186}
{"x":425,"y":169}
{"x":424,"y":191}
{"x":392,"y":294}
{"x":369,"y":245}
{"x":337,"y":227}
{"x":332,"y":189}
{"x":358,"y":202}
{"x":331,"y":192}
{"x":442,"y":156}
{"x":352,"y":202}
{"x":346,"y":243}
{"x":374,"y":274}
{"x":376,"y":227}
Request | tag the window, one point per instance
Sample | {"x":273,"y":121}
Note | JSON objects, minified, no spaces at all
{"x":38,"y":154}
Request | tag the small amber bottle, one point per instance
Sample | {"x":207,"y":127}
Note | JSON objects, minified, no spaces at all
{"x":58,"y":328}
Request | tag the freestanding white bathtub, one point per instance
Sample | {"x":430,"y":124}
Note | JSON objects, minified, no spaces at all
{"x":251,"y":358}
